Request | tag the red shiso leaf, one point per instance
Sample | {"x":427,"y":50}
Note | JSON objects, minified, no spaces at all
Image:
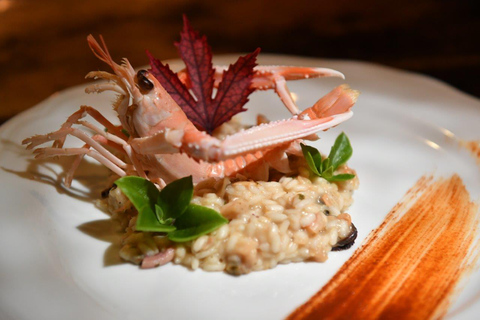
{"x":233,"y":91}
{"x":197,"y":55}
{"x":176,"y":89}
{"x":205,"y":112}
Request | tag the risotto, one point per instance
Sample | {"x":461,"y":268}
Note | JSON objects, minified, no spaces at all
{"x":298,"y":218}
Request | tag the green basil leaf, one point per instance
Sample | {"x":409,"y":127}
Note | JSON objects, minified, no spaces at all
{"x":342,"y":177}
{"x":313,"y":158}
{"x":175,"y":197}
{"x":161,"y":217}
{"x":327,"y":174}
{"x":195,"y":222}
{"x":149,"y":223}
{"x":143,"y":195}
{"x":159,"y":213}
{"x":325,"y":164}
{"x":340,"y":152}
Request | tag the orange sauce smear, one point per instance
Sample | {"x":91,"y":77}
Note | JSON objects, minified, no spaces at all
{"x":473,"y":147}
{"x":411,"y":266}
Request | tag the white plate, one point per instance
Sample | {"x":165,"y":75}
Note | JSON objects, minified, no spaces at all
{"x":54,"y":242}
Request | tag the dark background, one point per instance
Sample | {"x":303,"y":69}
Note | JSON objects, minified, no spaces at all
{"x":43,"y":47}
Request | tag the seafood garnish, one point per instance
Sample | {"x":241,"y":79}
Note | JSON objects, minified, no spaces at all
{"x":195,"y":186}
{"x":161,"y":144}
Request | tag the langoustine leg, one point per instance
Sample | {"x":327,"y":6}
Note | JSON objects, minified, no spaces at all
{"x":93,"y":147}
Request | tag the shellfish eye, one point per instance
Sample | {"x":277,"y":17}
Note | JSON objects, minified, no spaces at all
{"x":143,"y":82}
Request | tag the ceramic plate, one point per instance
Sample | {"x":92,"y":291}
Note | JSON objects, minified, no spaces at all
{"x":59,"y":252}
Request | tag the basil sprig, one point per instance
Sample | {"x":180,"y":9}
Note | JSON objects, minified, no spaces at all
{"x":339,"y":154}
{"x":169,"y":210}
{"x":196,"y":221}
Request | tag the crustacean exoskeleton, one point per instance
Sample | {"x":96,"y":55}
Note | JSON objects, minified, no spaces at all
{"x":163,"y":145}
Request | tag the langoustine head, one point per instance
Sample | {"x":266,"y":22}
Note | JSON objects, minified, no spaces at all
{"x":142,"y":103}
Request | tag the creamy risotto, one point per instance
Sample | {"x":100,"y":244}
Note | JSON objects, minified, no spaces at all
{"x":298,"y":218}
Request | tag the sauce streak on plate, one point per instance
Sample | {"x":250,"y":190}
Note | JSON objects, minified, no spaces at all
{"x":473,"y":147}
{"x":410,"y":267}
